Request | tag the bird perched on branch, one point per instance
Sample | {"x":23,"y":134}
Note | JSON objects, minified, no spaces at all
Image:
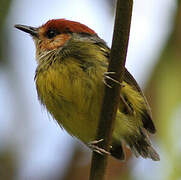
{"x":72,"y":61}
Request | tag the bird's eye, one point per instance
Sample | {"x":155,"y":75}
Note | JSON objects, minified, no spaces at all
{"x":51,"y":33}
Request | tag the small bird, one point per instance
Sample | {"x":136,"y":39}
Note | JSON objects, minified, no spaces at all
{"x":72,"y":61}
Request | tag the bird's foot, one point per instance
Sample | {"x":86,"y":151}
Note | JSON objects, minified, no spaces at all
{"x":106,"y":76}
{"x":95,"y":148}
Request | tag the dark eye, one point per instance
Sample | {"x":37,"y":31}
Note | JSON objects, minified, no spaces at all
{"x":51,"y":33}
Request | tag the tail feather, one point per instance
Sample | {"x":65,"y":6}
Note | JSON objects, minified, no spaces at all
{"x":140,"y":145}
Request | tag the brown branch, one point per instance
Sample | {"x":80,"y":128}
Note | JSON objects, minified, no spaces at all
{"x":112,"y":95}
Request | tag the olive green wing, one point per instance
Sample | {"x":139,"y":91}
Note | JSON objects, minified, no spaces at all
{"x":146,"y":116}
{"x":129,"y":79}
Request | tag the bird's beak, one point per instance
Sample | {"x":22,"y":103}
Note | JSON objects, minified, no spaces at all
{"x":28,"y":29}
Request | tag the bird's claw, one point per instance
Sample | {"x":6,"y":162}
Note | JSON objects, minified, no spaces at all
{"x":106,"y":76}
{"x":95,"y":148}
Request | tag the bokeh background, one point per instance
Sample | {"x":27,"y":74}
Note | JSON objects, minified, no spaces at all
{"x":33,"y":146}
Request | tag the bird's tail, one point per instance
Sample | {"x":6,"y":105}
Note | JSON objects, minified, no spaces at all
{"x":140,"y":145}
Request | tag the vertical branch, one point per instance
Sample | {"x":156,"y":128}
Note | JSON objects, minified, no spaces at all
{"x":112,"y":95}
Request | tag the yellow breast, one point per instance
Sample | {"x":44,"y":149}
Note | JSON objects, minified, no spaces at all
{"x":73,"y":96}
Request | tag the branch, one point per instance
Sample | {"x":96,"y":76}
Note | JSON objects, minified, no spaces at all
{"x":112,"y":95}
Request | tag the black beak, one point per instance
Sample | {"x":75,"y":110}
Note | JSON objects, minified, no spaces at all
{"x":28,"y":29}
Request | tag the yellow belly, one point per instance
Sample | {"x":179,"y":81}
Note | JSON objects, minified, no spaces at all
{"x":73,"y":97}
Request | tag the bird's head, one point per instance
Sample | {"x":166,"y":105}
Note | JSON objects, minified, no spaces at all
{"x":57,"y":33}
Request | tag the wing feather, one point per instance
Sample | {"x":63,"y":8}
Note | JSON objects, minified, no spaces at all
{"x":146,"y":117}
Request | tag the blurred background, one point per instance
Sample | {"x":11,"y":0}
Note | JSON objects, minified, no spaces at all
{"x":33,"y":146}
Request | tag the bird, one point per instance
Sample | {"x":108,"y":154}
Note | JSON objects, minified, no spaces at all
{"x":72,"y":61}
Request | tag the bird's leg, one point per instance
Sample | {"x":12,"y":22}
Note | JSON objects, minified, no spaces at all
{"x":106,"y":76}
{"x":95,"y":148}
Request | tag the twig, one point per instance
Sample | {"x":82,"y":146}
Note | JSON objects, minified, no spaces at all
{"x":112,"y":95}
